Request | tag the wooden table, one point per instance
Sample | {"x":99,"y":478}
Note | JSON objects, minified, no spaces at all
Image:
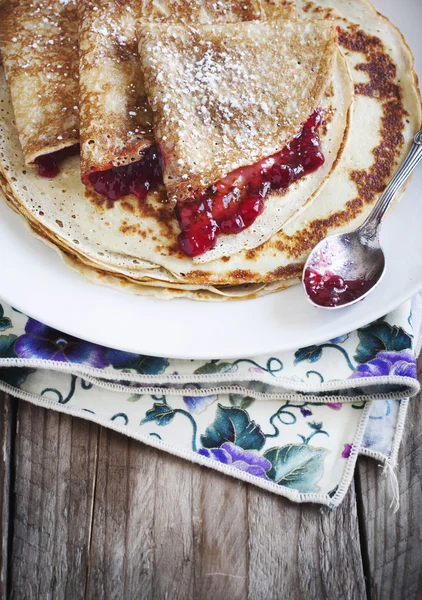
{"x":88,"y":513}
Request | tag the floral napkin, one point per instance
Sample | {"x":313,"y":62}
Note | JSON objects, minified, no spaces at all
{"x":293,"y":423}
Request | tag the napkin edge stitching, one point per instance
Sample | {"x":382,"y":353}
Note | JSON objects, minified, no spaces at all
{"x":291,"y":494}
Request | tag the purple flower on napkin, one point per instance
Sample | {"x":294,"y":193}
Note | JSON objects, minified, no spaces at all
{"x":334,"y":405}
{"x":199,"y":404}
{"x":43,"y":342}
{"x":305,"y":411}
{"x":346,"y":451}
{"x":400,"y":364}
{"x":249,"y":461}
{"x":144,"y":365}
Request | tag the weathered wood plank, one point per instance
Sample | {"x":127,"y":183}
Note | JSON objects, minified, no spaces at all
{"x":303,"y":551}
{"x":6,"y":433}
{"x":55,"y":474}
{"x":394,"y":541}
{"x":222,"y":550}
{"x":122,"y":546}
{"x":174,"y":575}
{"x":165,"y":528}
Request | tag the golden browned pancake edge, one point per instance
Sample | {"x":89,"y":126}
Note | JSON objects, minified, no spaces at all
{"x":116,"y":122}
{"x":39,"y":48}
{"x":216,"y":108}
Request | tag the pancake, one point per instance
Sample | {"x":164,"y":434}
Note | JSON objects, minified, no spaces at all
{"x":115,"y":119}
{"x":150,"y":225}
{"x":216,"y":109}
{"x":218,"y":104}
{"x":130,"y":282}
{"x":133,"y":246}
{"x":39,"y":48}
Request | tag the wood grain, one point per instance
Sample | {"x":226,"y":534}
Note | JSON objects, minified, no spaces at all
{"x":98,"y":515}
{"x":394,"y":541}
{"x":222,"y":549}
{"x":55,"y":467}
{"x":303,"y":551}
{"x":122,"y":546}
{"x":6,"y":433}
{"x":176,"y":530}
{"x":164,"y":526}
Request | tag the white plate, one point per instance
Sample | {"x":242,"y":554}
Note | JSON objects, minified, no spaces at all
{"x":34,"y":280}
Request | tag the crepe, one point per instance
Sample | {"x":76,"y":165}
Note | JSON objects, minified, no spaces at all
{"x":150,"y":230}
{"x":115,"y":118}
{"x":133,"y":246}
{"x":215,"y":107}
{"x":38,"y":42}
{"x":220,"y":98}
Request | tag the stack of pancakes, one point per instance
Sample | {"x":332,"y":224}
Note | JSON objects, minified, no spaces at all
{"x":215,"y":86}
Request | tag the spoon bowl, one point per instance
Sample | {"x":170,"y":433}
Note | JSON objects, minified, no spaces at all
{"x":344,"y":268}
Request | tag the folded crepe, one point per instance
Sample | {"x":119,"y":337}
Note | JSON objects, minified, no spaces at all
{"x":116,"y":128}
{"x":228,"y":96}
{"x":39,"y":48}
{"x":133,"y":245}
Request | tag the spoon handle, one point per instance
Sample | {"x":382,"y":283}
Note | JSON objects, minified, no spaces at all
{"x":369,"y":229}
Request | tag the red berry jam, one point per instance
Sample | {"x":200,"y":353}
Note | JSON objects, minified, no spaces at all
{"x":136,"y":178}
{"x":234,"y":203}
{"x":331,"y":290}
{"x":49,"y":164}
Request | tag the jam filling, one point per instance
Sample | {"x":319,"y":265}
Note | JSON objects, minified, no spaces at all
{"x":136,"y":178}
{"x":49,"y":164}
{"x":229,"y":206}
{"x":234,"y":203}
{"x":331,"y":290}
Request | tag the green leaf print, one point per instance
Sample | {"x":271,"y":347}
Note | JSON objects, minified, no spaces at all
{"x":296,"y":466}
{"x":213,"y":367}
{"x":233,"y":425}
{"x":379,"y":337}
{"x":12,"y":375}
{"x":310,"y":353}
{"x":162,"y":414}
{"x":5,"y":322}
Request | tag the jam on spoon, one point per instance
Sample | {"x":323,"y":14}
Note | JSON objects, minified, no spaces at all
{"x":330,"y":290}
{"x":233,"y":204}
{"x":346,"y":267}
{"x":49,"y":164}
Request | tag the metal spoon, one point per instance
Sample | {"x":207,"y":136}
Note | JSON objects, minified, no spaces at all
{"x":344,"y":268}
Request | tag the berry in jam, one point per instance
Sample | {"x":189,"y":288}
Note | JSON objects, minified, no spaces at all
{"x":49,"y":164}
{"x":233,"y":204}
{"x":136,"y":178}
{"x":331,"y":290}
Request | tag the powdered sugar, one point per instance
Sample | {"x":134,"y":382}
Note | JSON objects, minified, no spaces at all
{"x":39,"y":50}
{"x":223,"y":95}
{"x":111,"y":91}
